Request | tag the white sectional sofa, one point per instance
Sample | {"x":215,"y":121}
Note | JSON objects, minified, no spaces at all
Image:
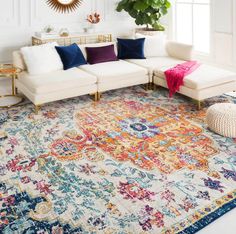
{"x":205,"y":82}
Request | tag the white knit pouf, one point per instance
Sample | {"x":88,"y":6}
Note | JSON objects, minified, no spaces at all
{"x":221,"y":118}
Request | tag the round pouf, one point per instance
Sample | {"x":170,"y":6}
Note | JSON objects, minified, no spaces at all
{"x":221,"y":118}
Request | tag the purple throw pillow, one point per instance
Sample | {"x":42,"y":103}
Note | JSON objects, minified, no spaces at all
{"x":101,"y":54}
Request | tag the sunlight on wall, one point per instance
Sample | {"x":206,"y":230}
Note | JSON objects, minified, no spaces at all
{"x":193,"y":23}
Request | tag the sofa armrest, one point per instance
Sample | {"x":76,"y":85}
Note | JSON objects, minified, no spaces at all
{"x":179,"y":50}
{"x":18,"y":60}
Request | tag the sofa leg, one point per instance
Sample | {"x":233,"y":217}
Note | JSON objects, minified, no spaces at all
{"x":151,"y":86}
{"x":94,"y":96}
{"x":199,"y":105}
{"x":146,"y":87}
{"x":36,"y":109}
{"x":98,"y":96}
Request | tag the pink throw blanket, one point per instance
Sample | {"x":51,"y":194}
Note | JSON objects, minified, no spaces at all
{"x":175,"y":76}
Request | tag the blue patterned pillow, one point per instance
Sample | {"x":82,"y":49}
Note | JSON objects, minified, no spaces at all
{"x":130,"y":48}
{"x":71,"y":56}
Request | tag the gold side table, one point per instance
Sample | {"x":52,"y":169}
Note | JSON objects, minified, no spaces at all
{"x":9,"y":71}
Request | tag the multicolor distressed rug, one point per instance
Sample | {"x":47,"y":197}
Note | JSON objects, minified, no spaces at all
{"x":135,"y":162}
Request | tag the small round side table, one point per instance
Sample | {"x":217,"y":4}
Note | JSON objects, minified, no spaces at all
{"x":9,"y":100}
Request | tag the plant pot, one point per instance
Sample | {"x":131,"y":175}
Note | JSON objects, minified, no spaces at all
{"x":149,"y":32}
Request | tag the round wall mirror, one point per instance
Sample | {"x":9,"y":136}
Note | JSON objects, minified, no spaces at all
{"x":64,"y":6}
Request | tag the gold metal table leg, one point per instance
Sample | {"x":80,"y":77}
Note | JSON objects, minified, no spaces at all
{"x":8,"y":70}
{"x":13,"y":84}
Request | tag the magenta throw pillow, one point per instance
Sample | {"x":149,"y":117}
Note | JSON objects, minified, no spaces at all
{"x":101,"y":54}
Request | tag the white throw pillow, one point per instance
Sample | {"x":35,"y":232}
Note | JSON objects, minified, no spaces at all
{"x":154,"y":46}
{"x":42,"y":59}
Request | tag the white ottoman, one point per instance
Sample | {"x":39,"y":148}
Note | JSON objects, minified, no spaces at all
{"x":221,"y":118}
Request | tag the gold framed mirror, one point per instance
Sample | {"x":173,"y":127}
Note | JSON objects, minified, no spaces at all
{"x":64,"y":6}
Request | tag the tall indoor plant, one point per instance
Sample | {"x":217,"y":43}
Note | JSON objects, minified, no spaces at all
{"x":146,"y":12}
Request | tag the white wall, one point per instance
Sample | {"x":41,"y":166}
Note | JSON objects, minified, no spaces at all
{"x":224,"y":32}
{"x":19,"y":19}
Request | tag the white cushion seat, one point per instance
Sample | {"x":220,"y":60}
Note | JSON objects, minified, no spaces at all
{"x":117,"y":74}
{"x":204,"y":77}
{"x":156,"y":63}
{"x":56,"y":81}
{"x":113,"y":71}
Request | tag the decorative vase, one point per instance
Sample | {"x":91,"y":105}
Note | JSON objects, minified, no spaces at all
{"x":94,"y":27}
{"x":90,"y":29}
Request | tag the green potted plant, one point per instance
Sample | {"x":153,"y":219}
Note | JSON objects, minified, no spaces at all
{"x":146,"y":12}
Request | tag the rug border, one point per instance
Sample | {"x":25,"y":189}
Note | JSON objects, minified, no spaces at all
{"x":213,"y":216}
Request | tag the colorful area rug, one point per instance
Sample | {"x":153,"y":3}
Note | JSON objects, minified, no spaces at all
{"x":136,"y":162}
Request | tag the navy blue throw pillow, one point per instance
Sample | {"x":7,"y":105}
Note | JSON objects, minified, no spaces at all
{"x":130,"y":48}
{"x":71,"y":56}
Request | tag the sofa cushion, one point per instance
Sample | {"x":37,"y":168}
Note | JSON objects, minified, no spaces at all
{"x":18,"y":60}
{"x":114,"y":71}
{"x":179,"y":50}
{"x":42,"y":58}
{"x":156,"y":63}
{"x":204,"y":77}
{"x":154,"y":45}
{"x":71,"y":56}
{"x":55,"y":81}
